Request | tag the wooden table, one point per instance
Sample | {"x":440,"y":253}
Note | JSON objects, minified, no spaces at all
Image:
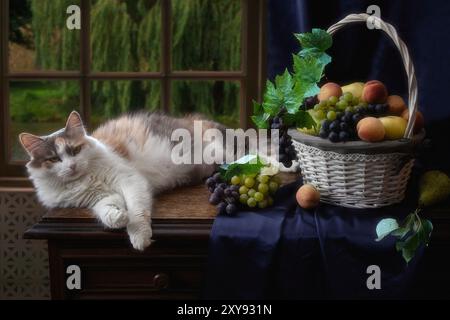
{"x":172,"y":267}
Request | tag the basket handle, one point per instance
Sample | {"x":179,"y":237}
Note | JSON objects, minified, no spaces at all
{"x":410,"y":73}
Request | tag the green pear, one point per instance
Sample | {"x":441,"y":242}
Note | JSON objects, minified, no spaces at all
{"x":355,"y":88}
{"x":434,"y":187}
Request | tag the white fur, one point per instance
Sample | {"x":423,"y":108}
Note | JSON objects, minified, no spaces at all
{"x":119,"y":191}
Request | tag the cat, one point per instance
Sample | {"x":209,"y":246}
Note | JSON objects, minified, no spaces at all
{"x":116,"y":171}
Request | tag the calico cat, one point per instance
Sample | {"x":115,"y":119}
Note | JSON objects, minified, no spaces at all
{"x":115,"y":171}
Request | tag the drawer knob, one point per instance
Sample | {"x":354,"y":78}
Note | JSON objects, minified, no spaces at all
{"x":161,"y":281}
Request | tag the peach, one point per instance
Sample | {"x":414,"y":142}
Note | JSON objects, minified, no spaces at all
{"x":328,"y":90}
{"x":374,"y":92}
{"x":396,"y":105}
{"x":308,"y":197}
{"x":420,"y":120}
{"x":370,"y":129}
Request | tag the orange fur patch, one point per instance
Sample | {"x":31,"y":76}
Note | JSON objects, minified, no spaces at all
{"x":120,"y":132}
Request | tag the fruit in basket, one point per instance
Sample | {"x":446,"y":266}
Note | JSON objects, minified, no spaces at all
{"x":374,"y":92}
{"x":396,"y":105}
{"x":329,"y":89}
{"x":310,"y":102}
{"x":434,"y":187}
{"x":394,"y":127}
{"x":370,"y":129}
{"x":419,"y":123}
{"x":355,"y":88}
{"x":308,"y":196}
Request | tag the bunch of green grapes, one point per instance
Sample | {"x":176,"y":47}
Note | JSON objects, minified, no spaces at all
{"x":256,"y":190}
{"x":331,"y":108}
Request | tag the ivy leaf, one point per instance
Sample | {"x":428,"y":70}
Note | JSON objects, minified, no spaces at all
{"x":294,"y":98}
{"x":260,"y":117}
{"x":308,"y":70}
{"x":284,"y":83}
{"x":386,"y":227}
{"x":314,"y":53}
{"x":272,"y":99}
{"x":304,"y":120}
{"x":260,"y":120}
{"x":413,"y":232}
{"x":410,"y":246}
{"x":425,"y":231}
{"x":249,"y":164}
{"x":317,"y":38}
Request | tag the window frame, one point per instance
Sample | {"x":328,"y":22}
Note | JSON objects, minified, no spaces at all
{"x":250,"y":76}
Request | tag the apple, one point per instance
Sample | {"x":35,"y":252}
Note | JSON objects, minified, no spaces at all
{"x":355,"y":88}
{"x":394,"y":127}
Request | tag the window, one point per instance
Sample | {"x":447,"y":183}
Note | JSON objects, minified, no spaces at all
{"x":178,"y":56}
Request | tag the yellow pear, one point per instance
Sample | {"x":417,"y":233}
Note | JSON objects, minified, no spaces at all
{"x":394,"y":127}
{"x":355,"y":88}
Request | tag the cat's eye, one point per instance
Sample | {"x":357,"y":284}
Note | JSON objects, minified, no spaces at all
{"x":54,"y":159}
{"x":76,"y":150}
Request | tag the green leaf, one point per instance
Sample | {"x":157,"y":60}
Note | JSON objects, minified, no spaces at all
{"x":410,"y":246}
{"x":400,"y":232}
{"x":304,"y":120}
{"x":284,"y":83}
{"x":317,"y":38}
{"x":425,"y":231}
{"x":308,"y":71}
{"x":385,"y":227}
{"x":249,"y":164}
{"x":314,"y":53}
{"x":294,"y":98}
{"x":260,"y":118}
{"x":272,"y":100}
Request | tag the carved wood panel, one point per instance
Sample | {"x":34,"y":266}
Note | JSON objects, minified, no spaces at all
{"x":23,"y":263}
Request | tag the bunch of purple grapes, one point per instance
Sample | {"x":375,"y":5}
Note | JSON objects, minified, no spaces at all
{"x":286,"y":150}
{"x":377,"y":110}
{"x":310,"y":102}
{"x":223,"y":195}
{"x":343,"y":128}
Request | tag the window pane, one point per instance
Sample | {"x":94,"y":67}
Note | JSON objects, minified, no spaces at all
{"x":125,"y":35}
{"x":111,"y":98}
{"x":206,"y":34}
{"x":39,"y":107}
{"x":39,"y":38}
{"x":218,"y":100}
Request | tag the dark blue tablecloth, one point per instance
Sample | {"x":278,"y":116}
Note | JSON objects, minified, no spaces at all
{"x":290,"y":253}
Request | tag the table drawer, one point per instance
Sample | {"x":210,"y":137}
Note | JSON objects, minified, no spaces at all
{"x":120,"y":273}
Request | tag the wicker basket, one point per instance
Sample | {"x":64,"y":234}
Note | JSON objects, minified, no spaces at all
{"x":358,"y":174}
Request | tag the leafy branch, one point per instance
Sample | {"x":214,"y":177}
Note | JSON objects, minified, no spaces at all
{"x":288,"y":91}
{"x":411,"y":233}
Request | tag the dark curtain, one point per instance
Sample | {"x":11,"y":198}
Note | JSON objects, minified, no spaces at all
{"x":360,"y":54}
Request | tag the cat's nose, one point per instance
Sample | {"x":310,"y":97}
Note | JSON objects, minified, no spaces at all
{"x":73,"y":166}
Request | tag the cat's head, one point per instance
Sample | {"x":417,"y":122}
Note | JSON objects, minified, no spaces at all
{"x":62,"y":155}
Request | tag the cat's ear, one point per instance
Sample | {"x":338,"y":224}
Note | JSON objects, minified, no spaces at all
{"x":30,"y":142}
{"x":74,"y":124}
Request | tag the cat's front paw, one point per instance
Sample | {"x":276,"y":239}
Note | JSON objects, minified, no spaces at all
{"x":141,"y":239}
{"x":115,"y":217}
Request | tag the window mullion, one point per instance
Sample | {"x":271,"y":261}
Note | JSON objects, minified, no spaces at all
{"x":85,"y":61}
{"x":166,"y":53}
